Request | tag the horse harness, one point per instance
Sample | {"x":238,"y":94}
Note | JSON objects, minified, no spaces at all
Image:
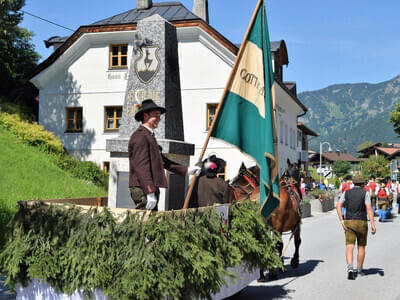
{"x":289,"y":183}
{"x":250,"y":178}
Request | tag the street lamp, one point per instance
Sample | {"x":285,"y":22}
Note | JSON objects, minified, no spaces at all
{"x":320,"y":158}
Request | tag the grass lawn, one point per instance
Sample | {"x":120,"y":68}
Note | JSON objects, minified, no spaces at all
{"x":27,"y":174}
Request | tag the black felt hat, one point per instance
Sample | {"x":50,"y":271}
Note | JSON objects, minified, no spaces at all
{"x":213,"y":164}
{"x":147,"y":106}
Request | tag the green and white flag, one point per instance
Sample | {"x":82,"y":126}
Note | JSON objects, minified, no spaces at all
{"x":245,"y":115}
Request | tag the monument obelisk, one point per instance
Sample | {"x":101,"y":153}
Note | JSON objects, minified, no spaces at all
{"x":153,"y":74}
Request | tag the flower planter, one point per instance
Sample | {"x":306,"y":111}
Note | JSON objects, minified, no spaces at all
{"x":305,"y":210}
{"x":322,"y":206}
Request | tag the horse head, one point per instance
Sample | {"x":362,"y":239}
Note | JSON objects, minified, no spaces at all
{"x":293,"y":170}
{"x":246,"y":183}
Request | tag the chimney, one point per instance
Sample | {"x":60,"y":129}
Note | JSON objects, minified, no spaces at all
{"x":143,"y":4}
{"x":200,"y":8}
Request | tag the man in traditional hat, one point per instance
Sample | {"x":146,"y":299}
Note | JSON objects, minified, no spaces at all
{"x":146,"y":162}
{"x":209,"y":188}
{"x":357,"y":202}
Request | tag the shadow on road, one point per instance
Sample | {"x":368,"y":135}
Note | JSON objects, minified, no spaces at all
{"x":267,"y":292}
{"x":277,"y":291}
{"x":373,"y":271}
{"x":303,"y":269}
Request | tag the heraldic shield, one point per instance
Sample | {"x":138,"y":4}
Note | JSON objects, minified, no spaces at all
{"x":148,"y":64}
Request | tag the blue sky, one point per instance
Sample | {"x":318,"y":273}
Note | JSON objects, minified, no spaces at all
{"x":329,"y":42}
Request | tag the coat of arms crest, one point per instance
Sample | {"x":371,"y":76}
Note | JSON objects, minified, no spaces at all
{"x":148,"y":63}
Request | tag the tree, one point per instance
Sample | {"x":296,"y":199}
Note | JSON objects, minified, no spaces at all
{"x":395,"y":118}
{"x":377,"y":166}
{"x":17,"y":55}
{"x":341,"y":167}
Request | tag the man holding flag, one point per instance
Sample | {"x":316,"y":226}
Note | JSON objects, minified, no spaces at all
{"x":245,"y":116}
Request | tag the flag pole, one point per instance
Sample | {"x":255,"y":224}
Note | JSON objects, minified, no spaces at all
{"x":274,"y":172}
{"x":233,"y":71}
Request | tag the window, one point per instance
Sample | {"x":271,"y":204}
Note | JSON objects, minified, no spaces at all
{"x":286,"y":134}
{"x":74,"y":119}
{"x":106,"y":166}
{"x":211,"y":110}
{"x":298,"y":138}
{"x":119,"y":56}
{"x":281,"y":132}
{"x":112,"y":115}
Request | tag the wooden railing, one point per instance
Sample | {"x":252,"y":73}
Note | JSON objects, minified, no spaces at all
{"x":98,"y":201}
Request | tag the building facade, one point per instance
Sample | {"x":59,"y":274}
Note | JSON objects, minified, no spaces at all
{"x":82,"y":85}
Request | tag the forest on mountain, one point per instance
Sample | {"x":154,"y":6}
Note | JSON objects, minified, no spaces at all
{"x":346,"y":115}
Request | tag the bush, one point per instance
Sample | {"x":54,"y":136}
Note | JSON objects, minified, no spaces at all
{"x":85,"y":170}
{"x":32,"y":133}
{"x":179,"y":256}
{"x":320,"y":194}
{"x":11,"y":108}
{"x":46,"y":141}
{"x":337,"y":183}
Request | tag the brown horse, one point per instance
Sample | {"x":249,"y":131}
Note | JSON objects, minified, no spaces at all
{"x":287,"y":216}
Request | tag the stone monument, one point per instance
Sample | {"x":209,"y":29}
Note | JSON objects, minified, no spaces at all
{"x":154,"y":74}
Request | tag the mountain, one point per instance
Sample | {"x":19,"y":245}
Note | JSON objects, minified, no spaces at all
{"x":346,"y":115}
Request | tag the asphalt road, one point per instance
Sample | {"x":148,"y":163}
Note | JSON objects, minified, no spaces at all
{"x":322,"y":270}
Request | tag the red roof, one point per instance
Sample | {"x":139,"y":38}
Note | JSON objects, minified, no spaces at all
{"x":387,"y":150}
{"x":332,"y":156}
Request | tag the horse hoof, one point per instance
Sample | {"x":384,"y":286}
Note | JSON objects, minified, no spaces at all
{"x":294,"y":263}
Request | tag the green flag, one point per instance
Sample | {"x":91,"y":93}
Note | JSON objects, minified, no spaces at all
{"x":245,"y":116}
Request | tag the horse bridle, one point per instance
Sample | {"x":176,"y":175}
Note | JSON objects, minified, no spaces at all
{"x":249,"y":181}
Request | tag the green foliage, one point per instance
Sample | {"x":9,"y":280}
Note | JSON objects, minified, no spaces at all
{"x":249,"y":233}
{"x":85,"y":170}
{"x":46,"y":141}
{"x":395,"y":118}
{"x":340,"y":167}
{"x":182,"y":256}
{"x":320,"y":194}
{"x":313,"y":173}
{"x":337,"y":183}
{"x":27,"y":173}
{"x":17,"y":55}
{"x":15,"y":109}
{"x":32,"y":133}
{"x":377,"y":166}
{"x":341,"y":114}
{"x":364,"y":145}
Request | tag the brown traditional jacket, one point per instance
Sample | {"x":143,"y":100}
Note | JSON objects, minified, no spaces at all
{"x":147,"y":164}
{"x":208,"y":191}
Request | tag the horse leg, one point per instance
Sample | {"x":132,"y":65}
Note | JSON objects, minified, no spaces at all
{"x":297,"y":241}
{"x":272,"y":274}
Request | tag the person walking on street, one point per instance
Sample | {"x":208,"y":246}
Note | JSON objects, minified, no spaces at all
{"x":358,"y":205}
{"x":383,"y":203}
{"x":372,"y":186}
{"x":146,"y":162}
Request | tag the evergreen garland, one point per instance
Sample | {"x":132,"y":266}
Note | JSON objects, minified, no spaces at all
{"x":166,"y":254}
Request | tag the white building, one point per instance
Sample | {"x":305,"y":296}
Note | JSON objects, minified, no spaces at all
{"x":83,"y":83}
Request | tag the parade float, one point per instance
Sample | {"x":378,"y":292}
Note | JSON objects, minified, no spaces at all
{"x":64,"y":251}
